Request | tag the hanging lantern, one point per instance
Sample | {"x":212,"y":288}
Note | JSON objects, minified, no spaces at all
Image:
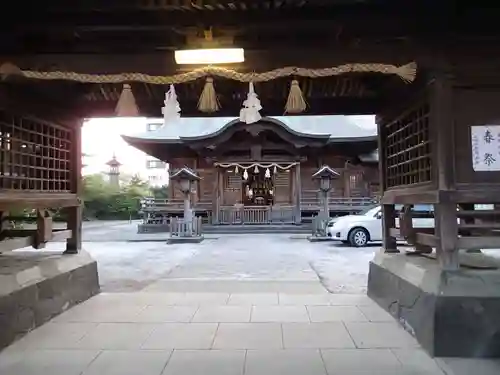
{"x":268,"y":173}
{"x":245,"y":175}
{"x":275,"y":170}
{"x":256,"y":170}
{"x":251,"y":107}
{"x":236,"y":170}
{"x":171,"y":110}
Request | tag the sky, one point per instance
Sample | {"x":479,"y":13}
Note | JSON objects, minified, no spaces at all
{"x":101,"y":138}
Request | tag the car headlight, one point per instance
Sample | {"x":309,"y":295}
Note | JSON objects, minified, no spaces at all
{"x":338,"y":227}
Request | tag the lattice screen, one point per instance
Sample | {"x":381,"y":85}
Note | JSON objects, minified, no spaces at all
{"x":34,"y":155}
{"x":408,"y":148}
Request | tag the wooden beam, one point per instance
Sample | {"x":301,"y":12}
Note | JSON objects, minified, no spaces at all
{"x":427,"y":239}
{"x":411,"y":195}
{"x":26,"y":237}
{"x":13,"y":199}
{"x":404,"y":18}
{"x":474,"y":242}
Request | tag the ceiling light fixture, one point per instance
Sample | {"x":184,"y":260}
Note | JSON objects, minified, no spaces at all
{"x":210,"y":56}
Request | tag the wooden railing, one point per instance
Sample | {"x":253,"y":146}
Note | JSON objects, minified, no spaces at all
{"x":231,"y":215}
{"x":245,"y":215}
{"x":183,"y":228}
{"x":283,"y":214}
{"x":308,"y":201}
{"x":158,"y":212}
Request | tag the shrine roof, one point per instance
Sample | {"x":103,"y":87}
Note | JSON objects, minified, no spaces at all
{"x":336,"y":128}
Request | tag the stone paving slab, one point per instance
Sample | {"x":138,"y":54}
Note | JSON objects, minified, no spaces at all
{"x":194,"y":335}
{"x":234,"y":305}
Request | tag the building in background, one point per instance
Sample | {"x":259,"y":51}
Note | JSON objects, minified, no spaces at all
{"x":156,"y":170}
{"x":262,"y":172}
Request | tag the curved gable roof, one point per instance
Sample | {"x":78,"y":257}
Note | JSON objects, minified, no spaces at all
{"x":329,"y":127}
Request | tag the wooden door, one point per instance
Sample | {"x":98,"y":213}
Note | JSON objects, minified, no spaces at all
{"x":354,"y":184}
{"x":282,"y":187}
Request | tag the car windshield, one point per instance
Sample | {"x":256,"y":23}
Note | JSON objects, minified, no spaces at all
{"x":369,"y":211}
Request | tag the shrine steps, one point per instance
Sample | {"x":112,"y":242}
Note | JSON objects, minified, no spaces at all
{"x":256,"y":229}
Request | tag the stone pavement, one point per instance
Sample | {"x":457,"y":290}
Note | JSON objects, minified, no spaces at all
{"x":153,"y":333}
{"x":232,"y":305}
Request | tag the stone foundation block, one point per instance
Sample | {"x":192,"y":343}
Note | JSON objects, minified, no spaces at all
{"x":35,"y":287}
{"x":451,"y":313}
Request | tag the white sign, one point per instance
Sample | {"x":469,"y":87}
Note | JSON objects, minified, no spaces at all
{"x":485,"y":142}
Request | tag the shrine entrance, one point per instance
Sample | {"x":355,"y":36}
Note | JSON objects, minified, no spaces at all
{"x":428,"y":71}
{"x":258,"y":188}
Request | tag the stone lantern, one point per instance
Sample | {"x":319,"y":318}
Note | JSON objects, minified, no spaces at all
{"x":325,"y":175}
{"x":186,"y":178}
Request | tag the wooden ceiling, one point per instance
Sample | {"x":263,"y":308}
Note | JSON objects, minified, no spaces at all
{"x":116,"y":36}
{"x":93,"y":26}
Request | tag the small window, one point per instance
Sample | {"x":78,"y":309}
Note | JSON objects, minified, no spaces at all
{"x":354,"y":181}
{"x":155,"y":164}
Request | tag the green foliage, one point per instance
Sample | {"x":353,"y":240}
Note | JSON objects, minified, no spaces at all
{"x":160,"y":192}
{"x":105,"y":202}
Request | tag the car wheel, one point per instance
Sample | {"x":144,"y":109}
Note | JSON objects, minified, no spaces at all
{"x":358,"y":237}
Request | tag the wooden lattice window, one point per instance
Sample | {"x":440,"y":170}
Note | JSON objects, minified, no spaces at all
{"x":34,"y":155}
{"x":408,"y":148}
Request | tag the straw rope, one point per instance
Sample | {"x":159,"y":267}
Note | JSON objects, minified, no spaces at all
{"x":248,"y":166}
{"x":406,"y":72}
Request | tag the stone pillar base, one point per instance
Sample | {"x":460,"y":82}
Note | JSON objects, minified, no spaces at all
{"x":451,"y":313}
{"x":40,"y":286}
{"x":192,"y":239}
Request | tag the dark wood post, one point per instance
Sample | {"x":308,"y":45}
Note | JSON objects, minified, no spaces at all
{"x":218,"y":188}
{"x":298,"y":192}
{"x":446,"y":226}
{"x":74,"y":214}
{"x":388,"y":211}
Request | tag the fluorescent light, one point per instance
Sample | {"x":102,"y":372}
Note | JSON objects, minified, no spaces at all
{"x":210,"y":56}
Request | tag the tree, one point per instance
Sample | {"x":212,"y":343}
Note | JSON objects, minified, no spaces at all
{"x":160,"y":192}
{"x":103,"y":201}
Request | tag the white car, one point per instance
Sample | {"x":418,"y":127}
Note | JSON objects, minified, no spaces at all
{"x":358,"y":230}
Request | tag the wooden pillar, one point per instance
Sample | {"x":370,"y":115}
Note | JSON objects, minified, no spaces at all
{"x":447,"y":232}
{"x":298,"y":193}
{"x":442,"y":125}
{"x":216,"y":197}
{"x":74,"y":214}
{"x":388,"y":210}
